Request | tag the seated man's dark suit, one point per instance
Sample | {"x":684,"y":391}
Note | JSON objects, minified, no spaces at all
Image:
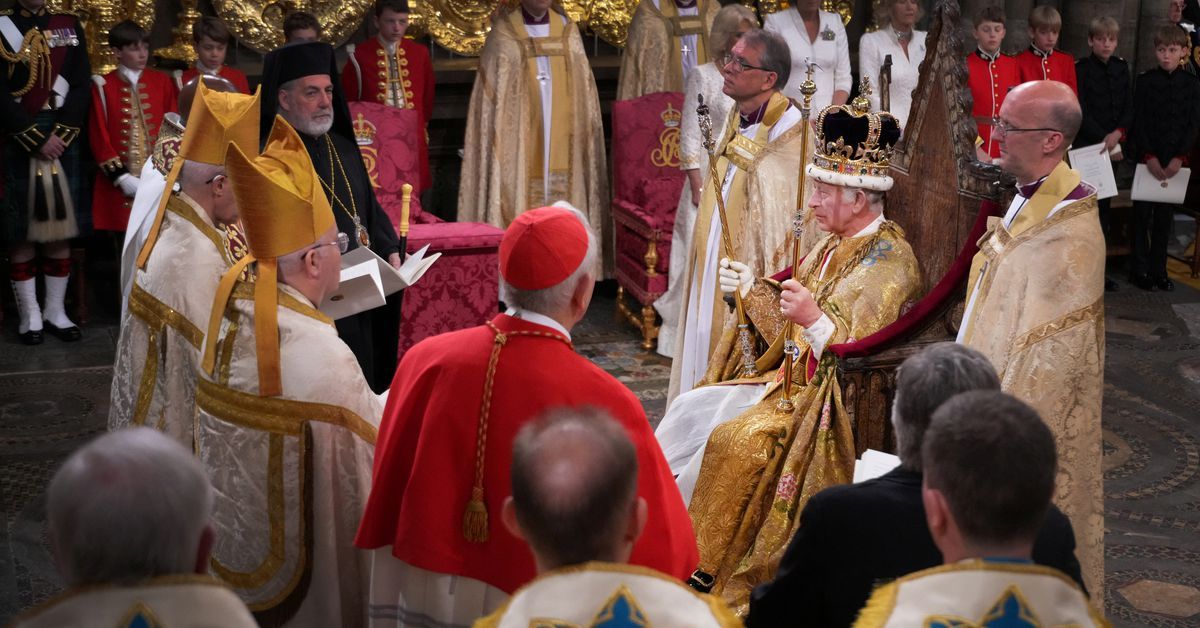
{"x":855,"y":536}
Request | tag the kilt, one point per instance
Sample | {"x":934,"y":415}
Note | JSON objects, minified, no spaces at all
{"x":14,"y":213}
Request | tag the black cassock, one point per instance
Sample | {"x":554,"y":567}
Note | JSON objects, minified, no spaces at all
{"x":373,"y":335}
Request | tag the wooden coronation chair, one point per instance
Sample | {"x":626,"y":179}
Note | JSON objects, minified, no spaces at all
{"x":462,"y":288}
{"x":647,"y":183}
{"x":942,"y":199}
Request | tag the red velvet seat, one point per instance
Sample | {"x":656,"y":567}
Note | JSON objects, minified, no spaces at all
{"x":462,"y":289}
{"x":647,"y":183}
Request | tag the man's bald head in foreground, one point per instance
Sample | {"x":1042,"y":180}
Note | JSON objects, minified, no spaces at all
{"x":1043,"y":118}
{"x":574,"y":489}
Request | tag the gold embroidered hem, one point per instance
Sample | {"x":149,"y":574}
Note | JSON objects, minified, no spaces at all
{"x":154,"y":373}
{"x":760,"y":468}
{"x":1039,"y":317}
{"x":652,"y":61}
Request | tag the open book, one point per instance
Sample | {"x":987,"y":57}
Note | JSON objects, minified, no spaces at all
{"x":873,"y":464}
{"x":368,"y":279}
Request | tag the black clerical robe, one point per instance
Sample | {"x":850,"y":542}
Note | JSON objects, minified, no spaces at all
{"x":373,"y":336}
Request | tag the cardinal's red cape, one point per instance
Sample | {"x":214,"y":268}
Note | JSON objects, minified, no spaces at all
{"x":425,"y":453}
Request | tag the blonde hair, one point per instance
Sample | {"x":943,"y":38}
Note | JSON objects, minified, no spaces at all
{"x":725,"y":27}
{"x":1045,"y":18}
{"x":882,"y":12}
{"x":1104,"y":26}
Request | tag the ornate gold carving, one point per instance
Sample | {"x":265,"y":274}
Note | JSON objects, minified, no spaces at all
{"x":181,"y":36}
{"x":462,"y":25}
{"x":259,"y":23}
{"x":98,"y":17}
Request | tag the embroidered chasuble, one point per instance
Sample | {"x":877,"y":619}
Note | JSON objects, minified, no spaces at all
{"x":154,"y":374}
{"x":291,"y":473}
{"x":758,"y":169}
{"x":975,"y":592}
{"x":534,"y":134}
{"x":760,"y":468}
{"x":1036,"y":309}
{"x":174,"y":600}
{"x":666,"y":42}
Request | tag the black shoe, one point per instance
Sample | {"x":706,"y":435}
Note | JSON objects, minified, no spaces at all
{"x":1165,"y":284}
{"x":65,"y":334}
{"x":701,"y":581}
{"x":1143,"y":282}
{"x":32,"y":337}
{"x":1110,"y":285}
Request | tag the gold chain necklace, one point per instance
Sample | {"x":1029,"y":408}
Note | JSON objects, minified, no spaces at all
{"x":352,"y":211}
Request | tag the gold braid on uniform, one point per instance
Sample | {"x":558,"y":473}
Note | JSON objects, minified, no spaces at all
{"x":35,"y":53}
{"x":475,"y":519}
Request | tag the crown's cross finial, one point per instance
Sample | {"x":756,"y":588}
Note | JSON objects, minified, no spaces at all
{"x":862,"y":102}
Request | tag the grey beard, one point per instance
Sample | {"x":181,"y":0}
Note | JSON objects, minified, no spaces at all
{"x":309,"y":127}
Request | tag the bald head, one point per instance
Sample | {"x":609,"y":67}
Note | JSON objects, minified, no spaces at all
{"x":574,"y":487}
{"x":1039,"y":120}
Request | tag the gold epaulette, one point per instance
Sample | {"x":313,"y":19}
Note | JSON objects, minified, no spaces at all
{"x":74,"y":14}
{"x":111,"y":166}
{"x":65,"y":133}
{"x":30,"y":138}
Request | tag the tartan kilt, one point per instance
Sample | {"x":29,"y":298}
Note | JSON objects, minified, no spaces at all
{"x":14,"y":214}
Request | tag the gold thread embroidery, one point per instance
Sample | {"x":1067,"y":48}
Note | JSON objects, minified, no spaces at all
{"x":276,"y":415}
{"x":1061,"y":324}
{"x":271,"y":563}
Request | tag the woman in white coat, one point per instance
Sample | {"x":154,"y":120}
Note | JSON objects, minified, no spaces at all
{"x":820,"y":37}
{"x":896,"y":37}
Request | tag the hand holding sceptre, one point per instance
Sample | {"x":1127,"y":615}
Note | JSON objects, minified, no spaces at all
{"x":744,"y":342}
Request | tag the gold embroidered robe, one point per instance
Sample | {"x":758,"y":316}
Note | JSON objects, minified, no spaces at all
{"x":1039,"y":317}
{"x":502,"y":153}
{"x":175,"y":600}
{"x":760,"y":204}
{"x":291,"y":473}
{"x":652,"y":61}
{"x":162,"y":331}
{"x":760,"y":468}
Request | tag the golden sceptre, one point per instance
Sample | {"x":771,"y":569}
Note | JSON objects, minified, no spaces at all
{"x":790,"y":349}
{"x":749,"y":369}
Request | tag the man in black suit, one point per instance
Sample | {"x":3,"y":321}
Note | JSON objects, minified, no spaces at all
{"x":856,"y":536}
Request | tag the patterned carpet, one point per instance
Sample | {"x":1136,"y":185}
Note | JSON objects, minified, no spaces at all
{"x":55,"y":397}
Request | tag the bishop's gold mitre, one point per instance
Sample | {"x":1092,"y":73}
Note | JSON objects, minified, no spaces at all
{"x":283,"y":210}
{"x":216,"y":120}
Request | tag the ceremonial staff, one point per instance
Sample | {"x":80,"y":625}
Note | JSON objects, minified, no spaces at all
{"x":744,"y":342}
{"x":405,"y":201}
{"x":790,"y":349}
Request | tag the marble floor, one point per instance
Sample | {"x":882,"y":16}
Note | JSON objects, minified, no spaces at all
{"x":55,"y":397}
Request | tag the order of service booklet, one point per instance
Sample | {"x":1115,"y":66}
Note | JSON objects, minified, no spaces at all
{"x":367,"y":280}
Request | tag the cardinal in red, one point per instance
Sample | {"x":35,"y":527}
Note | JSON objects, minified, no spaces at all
{"x":445,"y":443}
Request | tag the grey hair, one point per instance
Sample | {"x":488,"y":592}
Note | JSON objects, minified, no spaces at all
{"x":130,"y":505}
{"x":924,"y":382}
{"x":776,"y":55}
{"x":874,"y":197}
{"x":549,"y":300}
{"x":196,"y":173}
{"x":883,"y":12}
{"x":574,"y":479}
{"x":725,"y":27}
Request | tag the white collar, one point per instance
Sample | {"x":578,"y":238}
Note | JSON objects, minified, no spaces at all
{"x":389,"y":46}
{"x":129,"y":74}
{"x":203,"y":69}
{"x":538,"y":319}
{"x":871,"y":228}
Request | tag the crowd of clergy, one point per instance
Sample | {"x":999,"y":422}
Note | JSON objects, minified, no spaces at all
{"x":267,"y":465}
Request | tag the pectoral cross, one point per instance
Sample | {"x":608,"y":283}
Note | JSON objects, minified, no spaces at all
{"x":684,"y":49}
{"x":542,"y":77}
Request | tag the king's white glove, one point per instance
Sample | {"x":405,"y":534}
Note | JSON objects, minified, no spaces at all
{"x":128,"y":184}
{"x":734,"y":275}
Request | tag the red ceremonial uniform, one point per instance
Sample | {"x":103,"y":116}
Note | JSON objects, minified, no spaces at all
{"x":990,"y":80}
{"x":237,"y":77}
{"x":122,"y":129}
{"x":1036,"y":65}
{"x":424,"y":462}
{"x":406,"y":81}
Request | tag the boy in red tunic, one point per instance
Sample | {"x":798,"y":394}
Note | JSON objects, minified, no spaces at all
{"x":210,"y":40}
{"x":392,"y":70}
{"x":1041,"y":62}
{"x":443,"y":455}
{"x":128,"y":105}
{"x":991,"y":74}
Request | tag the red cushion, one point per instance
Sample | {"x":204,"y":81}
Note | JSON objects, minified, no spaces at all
{"x":660,"y":196}
{"x":455,"y":237}
{"x":645,"y":141}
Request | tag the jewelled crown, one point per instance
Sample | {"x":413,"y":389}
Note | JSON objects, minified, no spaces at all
{"x":854,"y":146}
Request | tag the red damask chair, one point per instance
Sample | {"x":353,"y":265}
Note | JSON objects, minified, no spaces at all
{"x":462,"y":289}
{"x":647,"y":183}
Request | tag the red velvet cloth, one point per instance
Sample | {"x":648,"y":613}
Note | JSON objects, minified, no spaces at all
{"x":425,"y":454}
{"x":647,"y":183}
{"x":460,"y":290}
{"x":402,"y":133}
